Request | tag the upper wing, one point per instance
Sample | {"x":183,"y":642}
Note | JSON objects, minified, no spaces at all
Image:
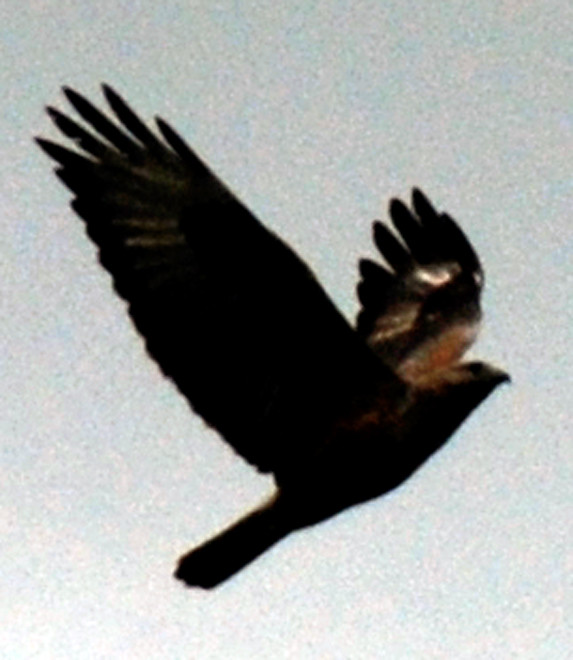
{"x":422,"y":312}
{"x":228,"y":311}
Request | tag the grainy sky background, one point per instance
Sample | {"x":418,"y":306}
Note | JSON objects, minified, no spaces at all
{"x":315,"y":113}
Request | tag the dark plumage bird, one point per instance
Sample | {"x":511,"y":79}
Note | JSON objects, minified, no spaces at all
{"x":338,"y":414}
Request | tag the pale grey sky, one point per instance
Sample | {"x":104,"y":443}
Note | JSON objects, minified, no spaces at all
{"x":315,"y":113}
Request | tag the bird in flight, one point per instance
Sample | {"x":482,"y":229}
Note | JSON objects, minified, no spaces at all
{"x":338,"y":414}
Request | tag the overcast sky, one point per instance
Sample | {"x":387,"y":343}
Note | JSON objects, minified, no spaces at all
{"x":315,"y":113}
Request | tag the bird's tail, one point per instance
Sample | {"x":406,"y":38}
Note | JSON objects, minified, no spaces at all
{"x":222,"y":556}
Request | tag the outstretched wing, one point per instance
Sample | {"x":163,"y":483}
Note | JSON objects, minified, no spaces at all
{"x":421,"y":311}
{"x":228,"y":311}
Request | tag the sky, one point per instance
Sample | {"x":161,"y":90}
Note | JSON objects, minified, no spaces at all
{"x":315,"y":114}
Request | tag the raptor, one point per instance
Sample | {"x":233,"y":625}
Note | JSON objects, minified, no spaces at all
{"x":337,"y":413}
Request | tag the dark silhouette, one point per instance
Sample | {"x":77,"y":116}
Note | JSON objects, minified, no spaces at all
{"x":338,"y":415}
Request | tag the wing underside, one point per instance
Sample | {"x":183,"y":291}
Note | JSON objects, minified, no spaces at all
{"x":227,"y":310}
{"x":421,"y":310}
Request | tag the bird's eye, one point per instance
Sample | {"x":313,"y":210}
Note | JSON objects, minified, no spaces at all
{"x":475,"y":368}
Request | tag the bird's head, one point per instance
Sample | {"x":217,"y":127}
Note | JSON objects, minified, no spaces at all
{"x":448,"y":396}
{"x":475,"y":379}
{"x":466,"y":384}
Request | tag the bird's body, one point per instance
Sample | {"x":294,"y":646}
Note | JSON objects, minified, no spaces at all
{"x":234,"y":317}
